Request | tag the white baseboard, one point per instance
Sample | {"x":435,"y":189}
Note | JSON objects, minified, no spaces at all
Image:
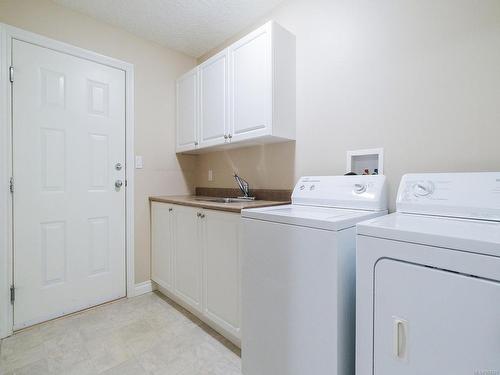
{"x":144,"y":287}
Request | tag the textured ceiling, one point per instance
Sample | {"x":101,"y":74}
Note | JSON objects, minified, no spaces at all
{"x":190,"y":26}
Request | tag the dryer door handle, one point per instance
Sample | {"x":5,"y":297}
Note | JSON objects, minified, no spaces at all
{"x":400,"y":327}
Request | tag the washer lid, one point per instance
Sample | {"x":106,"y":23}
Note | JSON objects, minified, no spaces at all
{"x":309,"y":216}
{"x":476,"y":236}
{"x":467,"y":195}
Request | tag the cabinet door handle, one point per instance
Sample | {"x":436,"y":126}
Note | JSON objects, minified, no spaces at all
{"x":225,"y":136}
{"x":202,"y":216}
{"x":170,"y":209}
{"x":230,"y":136}
{"x":198,"y":214}
{"x":196,"y":143}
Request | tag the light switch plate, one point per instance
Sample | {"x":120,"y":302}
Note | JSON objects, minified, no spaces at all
{"x":210,"y":175}
{"x":138,"y":162}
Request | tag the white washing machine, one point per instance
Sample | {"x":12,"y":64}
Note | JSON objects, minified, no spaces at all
{"x":428,"y":279}
{"x":298,"y":277}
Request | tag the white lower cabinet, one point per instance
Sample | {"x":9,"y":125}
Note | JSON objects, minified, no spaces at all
{"x":187,"y":255}
{"x":162,"y":244}
{"x":221,"y":269}
{"x":195,"y":259}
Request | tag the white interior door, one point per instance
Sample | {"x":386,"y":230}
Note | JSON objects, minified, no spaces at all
{"x":429,"y":321}
{"x":69,"y":218}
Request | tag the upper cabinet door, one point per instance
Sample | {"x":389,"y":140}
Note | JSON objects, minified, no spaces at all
{"x":250,"y":85}
{"x":214,"y":100}
{"x":187,"y":115}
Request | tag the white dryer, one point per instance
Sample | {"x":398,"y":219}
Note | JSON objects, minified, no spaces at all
{"x":298,"y":277}
{"x":428,"y":279}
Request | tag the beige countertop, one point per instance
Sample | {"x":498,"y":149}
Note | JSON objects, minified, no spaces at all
{"x":191,"y":200}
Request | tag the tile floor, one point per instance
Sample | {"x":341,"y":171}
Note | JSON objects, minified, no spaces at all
{"x":148,"y":334}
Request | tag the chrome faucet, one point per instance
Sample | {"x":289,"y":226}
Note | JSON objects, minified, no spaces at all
{"x":244,"y":187}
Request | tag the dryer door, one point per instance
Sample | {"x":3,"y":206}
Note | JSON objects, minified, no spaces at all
{"x":431,"y":321}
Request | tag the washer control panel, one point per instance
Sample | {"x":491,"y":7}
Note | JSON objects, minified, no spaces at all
{"x":357,"y":192}
{"x":466,"y":195}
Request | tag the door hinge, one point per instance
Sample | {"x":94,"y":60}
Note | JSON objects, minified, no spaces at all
{"x":12,"y":294}
{"x":11,"y":184}
{"x":11,"y":74}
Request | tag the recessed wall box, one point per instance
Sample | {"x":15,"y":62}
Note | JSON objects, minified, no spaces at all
{"x":369,"y":159}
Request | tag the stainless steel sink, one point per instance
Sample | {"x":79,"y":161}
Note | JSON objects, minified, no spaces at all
{"x":224,"y":199}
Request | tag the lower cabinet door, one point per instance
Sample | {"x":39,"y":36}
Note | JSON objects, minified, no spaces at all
{"x":162,"y":244}
{"x":431,"y":321}
{"x":187,"y":256}
{"x":221,"y":270}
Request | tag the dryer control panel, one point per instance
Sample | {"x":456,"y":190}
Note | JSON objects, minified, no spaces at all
{"x":355,"y":192}
{"x":464,"y":195}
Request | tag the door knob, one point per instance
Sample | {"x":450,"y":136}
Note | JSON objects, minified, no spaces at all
{"x":118,"y":166}
{"x":118,"y":184}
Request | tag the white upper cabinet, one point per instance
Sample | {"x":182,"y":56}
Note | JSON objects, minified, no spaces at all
{"x":251,"y":68}
{"x":246,"y":94}
{"x":214,"y":111}
{"x":187,"y":111}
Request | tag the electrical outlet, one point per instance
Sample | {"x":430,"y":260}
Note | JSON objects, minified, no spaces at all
{"x":210,"y":175}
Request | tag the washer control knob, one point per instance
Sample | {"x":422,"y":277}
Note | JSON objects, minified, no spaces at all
{"x":359,"y":188}
{"x":312,"y":187}
{"x":302,"y":187}
{"x":423,"y":188}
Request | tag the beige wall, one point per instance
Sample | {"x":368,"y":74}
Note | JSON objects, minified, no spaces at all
{"x":420,"y":78}
{"x":156,"y":69}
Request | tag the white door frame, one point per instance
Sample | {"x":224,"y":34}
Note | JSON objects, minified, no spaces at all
{"x":7,"y":35}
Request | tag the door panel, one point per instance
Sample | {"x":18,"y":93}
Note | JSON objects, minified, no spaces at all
{"x":187,"y":256}
{"x":187,"y":98}
{"x":430,"y":321}
{"x":69,"y":220}
{"x":162,"y":244}
{"x":214,"y":100}
{"x":251,"y":85}
{"x":222,"y":269}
